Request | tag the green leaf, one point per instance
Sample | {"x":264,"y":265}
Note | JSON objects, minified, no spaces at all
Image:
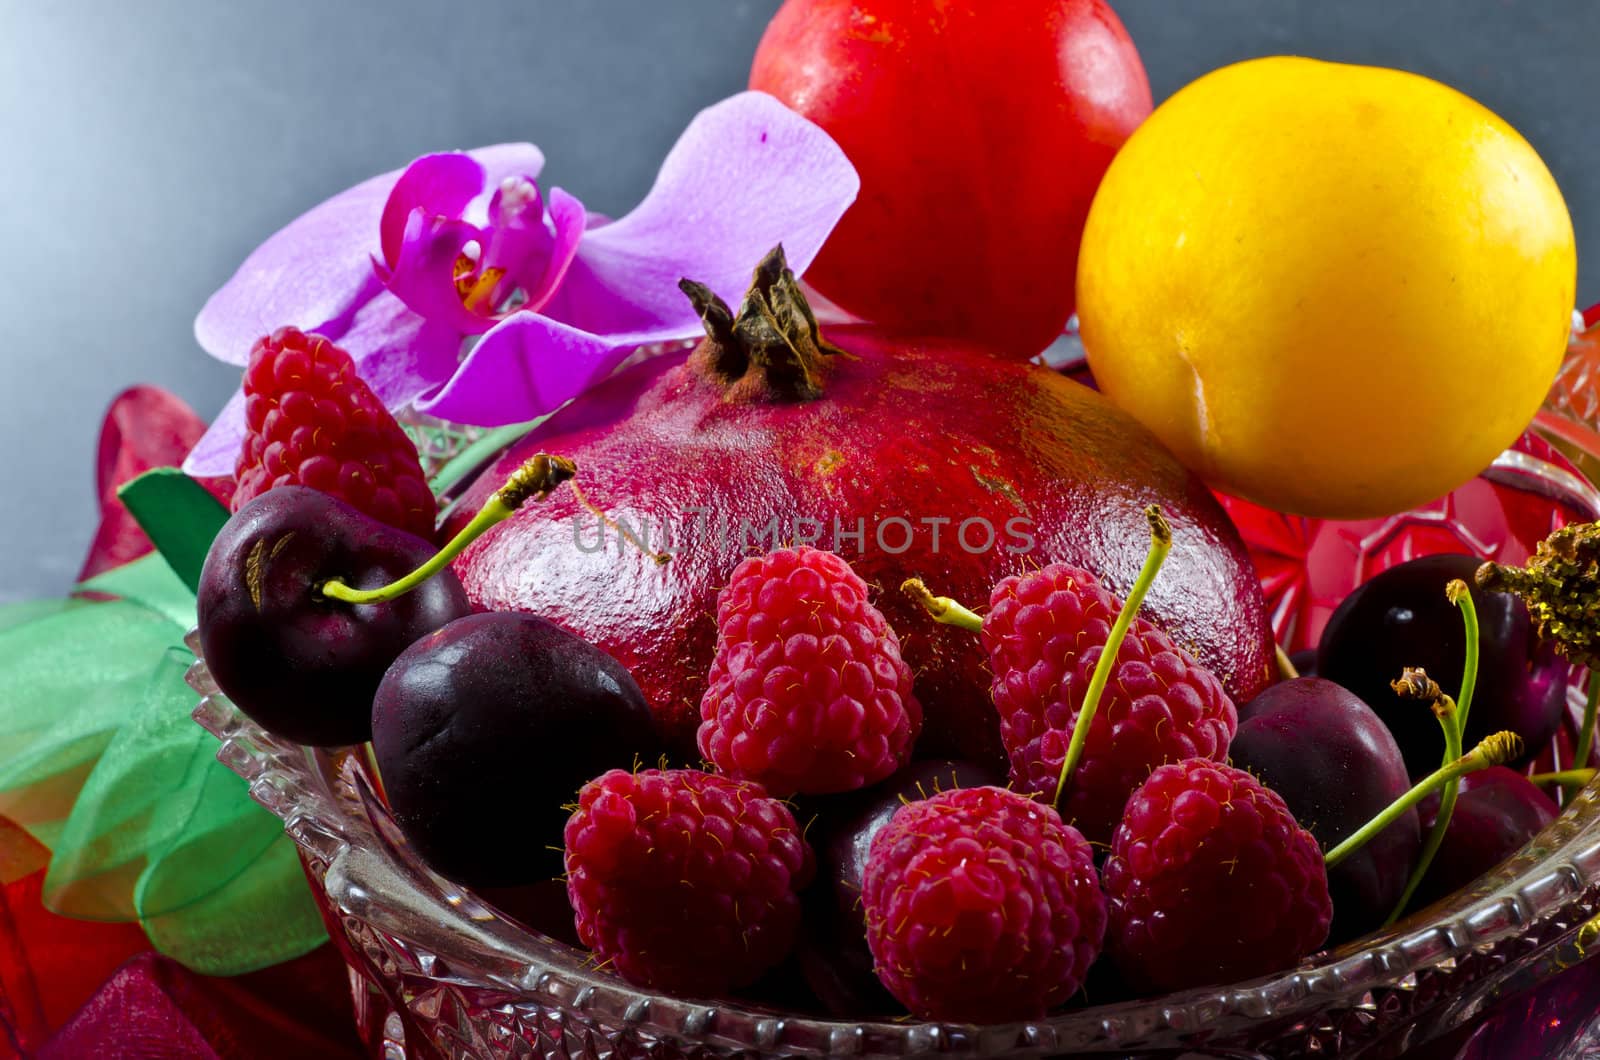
{"x":178,"y":515}
{"x":150,"y":582}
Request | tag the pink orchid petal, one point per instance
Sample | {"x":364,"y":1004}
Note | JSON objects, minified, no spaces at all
{"x":500,"y":165}
{"x":403,"y":357}
{"x":529,"y":365}
{"x":747,"y":174}
{"x":424,"y":274}
{"x":438,"y":185}
{"x":571,"y":221}
{"x":407,"y":356}
{"x":309,"y":273}
{"x":519,"y":240}
{"x":218,"y":449}
{"x":316,"y":272}
{"x":516,"y":219}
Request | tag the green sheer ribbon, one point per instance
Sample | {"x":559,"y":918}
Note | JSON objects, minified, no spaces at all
{"x":102,"y":764}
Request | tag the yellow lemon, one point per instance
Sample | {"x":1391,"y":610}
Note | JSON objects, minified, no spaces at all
{"x":1333,"y":290}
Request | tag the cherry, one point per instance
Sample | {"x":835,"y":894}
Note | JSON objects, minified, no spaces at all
{"x":302,"y":665}
{"x":1304,"y":662}
{"x":832,"y":951}
{"x":485,"y":728}
{"x":1497,"y":811}
{"x":304,"y":602}
{"x":1336,"y":766}
{"x":1402,"y":618}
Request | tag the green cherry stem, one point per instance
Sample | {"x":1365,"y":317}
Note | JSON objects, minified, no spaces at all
{"x":1453,"y":717}
{"x":533,"y":480}
{"x":942,"y":608}
{"x":1454,"y":720}
{"x":1286,"y":667}
{"x":1160,"y":545}
{"x":1573,"y":778}
{"x":1441,"y":822}
{"x":1580,"y":756}
{"x":1495,"y":749}
{"x":1458,"y":593}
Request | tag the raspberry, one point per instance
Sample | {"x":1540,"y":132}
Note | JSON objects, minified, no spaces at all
{"x":1045,"y":631}
{"x":807,"y":692}
{"x":981,"y":906}
{"x":1211,"y":880}
{"x":314,"y":422}
{"x":684,"y":880}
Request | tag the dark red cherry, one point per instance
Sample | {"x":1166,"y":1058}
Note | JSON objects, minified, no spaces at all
{"x":1401,"y":618}
{"x":1304,"y":662}
{"x":1497,"y":811}
{"x":1336,"y":766}
{"x":832,"y":951}
{"x":301,"y":665}
{"x":483,"y":731}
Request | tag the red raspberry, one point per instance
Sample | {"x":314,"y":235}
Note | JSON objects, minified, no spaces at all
{"x":314,"y":422}
{"x":1212,"y":880}
{"x":683,"y":880}
{"x":808,"y":692}
{"x":1045,"y":631}
{"x":981,"y":906}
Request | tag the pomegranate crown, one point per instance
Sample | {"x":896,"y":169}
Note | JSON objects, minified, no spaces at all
{"x":771,"y":350}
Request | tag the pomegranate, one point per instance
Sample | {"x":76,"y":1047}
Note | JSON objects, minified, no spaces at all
{"x":907,"y":456}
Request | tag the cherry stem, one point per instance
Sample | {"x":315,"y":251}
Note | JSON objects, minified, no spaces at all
{"x":1286,"y":667}
{"x":1495,"y":749}
{"x":1581,"y":755}
{"x":534,"y":480}
{"x":1574,"y":778}
{"x":370,"y":754}
{"x":1455,"y":726}
{"x":1160,"y":545}
{"x":942,"y":608}
{"x":1458,"y":593}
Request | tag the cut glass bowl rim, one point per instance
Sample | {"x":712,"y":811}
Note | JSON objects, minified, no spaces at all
{"x":367,"y":872}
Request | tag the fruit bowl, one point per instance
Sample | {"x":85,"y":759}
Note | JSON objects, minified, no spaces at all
{"x":437,"y":972}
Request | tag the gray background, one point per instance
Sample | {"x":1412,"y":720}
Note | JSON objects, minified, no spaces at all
{"x":146,"y":148}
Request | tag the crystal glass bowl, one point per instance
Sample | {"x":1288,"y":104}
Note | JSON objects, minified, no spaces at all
{"x":437,"y":972}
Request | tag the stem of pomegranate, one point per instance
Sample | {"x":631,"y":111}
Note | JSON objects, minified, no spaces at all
{"x":942,"y":608}
{"x":535,"y":479}
{"x":1160,"y":545}
{"x":1495,"y":749}
{"x":1454,"y":720}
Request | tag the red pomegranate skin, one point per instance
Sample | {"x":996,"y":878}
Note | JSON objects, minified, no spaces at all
{"x":916,"y":429}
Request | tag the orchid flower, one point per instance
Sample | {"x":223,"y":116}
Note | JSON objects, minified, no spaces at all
{"x":461,"y":290}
